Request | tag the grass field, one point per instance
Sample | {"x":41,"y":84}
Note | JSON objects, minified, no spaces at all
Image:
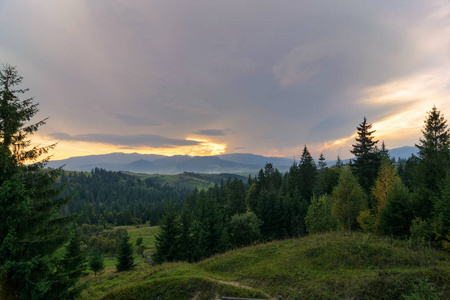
{"x":325,"y":266}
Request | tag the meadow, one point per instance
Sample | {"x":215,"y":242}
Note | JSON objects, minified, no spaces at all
{"x":334,"y":265}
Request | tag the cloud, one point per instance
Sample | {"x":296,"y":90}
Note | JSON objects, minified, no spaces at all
{"x":211,"y":132}
{"x":139,"y":140}
{"x":136,"y":120}
{"x":275,"y":76}
{"x":302,"y":63}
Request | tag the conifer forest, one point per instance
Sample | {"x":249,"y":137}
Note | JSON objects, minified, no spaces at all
{"x":52,"y":221}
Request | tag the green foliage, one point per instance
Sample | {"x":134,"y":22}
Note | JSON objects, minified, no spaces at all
{"x":396,"y":216}
{"x":327,"y":179}
{"x":319,"y":217}
{"x":116,"y":198}
{"x":32,"y":225}
{"x":125,"y":260}
{"x":420,"y":232}
{"x":181,"y":287}
{"x":322,"y":266}
{"x":423,"y":290}
{"x":244,"y":229}
{"x":442,"y":213}
{"x":166,"y":242}
{"x":72,"y":266}
{"x":96,"y":262}
{"x":433,"y":165}
{"x":367,"y":220}
{"x":140,"y":247}
{"x":348,"y":201}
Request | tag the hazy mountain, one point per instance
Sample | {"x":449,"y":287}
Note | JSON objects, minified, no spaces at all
{"x":252,"y":159}
{"x":159,"y":164}
{"x":112,"y":161}
{"x":403,"y":152}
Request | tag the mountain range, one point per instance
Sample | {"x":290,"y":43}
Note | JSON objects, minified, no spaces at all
{"x":160,"y":164}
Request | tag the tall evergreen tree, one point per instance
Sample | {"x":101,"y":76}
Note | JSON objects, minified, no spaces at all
{"x":339,"y":162}
{"x":368,"y":158}
{"x":32,"y":226}
{"x":308,"y":173}
{"x":125,"y":260}
{"x":73,"y":266}
{"x":322,"y":162}
{"x":166,"y":241}
{"x":433,"y":165}
{"x":96,"y":262}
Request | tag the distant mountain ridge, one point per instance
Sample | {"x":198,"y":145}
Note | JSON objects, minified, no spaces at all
{"x":160,"y":164}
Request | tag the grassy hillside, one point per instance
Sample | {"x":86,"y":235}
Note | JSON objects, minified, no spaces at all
{"x":190,"y":180}
{"x":325,"y":266}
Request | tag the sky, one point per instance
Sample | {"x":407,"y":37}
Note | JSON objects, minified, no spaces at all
{"x":228,"y":76}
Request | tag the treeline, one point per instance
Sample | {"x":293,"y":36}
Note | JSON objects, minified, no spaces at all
{"x":116,"y":198}
{"x":409,"y":200}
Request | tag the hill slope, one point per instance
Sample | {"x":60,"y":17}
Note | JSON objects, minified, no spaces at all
{"x":325,"y":266}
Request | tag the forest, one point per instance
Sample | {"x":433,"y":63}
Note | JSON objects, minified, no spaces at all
{"x":408,"y":199}
{"x":42,"y":250}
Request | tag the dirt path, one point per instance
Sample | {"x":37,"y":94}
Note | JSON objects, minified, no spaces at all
{"x":237,"y":284}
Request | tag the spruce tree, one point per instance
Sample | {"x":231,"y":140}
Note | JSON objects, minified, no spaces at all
{"x":96,"y":262}
{"x":433,"y":165}
{"x":322,"y":163}
{"x":339,"y":162}
{"x":32,"y":225}
{"x":125,"y":260}
{"x":308,"y":173}
{"x":72,"y":266}
{"x":166,"y":241}
{"x":368,"y":157}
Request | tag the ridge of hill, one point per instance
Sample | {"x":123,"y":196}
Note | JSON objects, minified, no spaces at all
{"x":160,"y":164}
{"x":331,"y":265}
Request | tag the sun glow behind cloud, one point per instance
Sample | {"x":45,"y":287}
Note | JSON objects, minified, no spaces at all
{"x":66,"y":149}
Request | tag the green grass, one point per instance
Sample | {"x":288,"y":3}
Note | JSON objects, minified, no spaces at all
{"x":323,"y":266}
{"x":188,"y":180}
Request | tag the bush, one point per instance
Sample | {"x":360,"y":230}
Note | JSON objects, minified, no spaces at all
{"x":244,"y":229}
{"x":319,"y":217}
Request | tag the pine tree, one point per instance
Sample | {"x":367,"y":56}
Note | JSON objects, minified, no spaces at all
{"x":32,"y":226}
{"x":368,"y":158}
{"x":125,"y":260}
{"x":339,"y":162}
{"x":96,"y":262}
{"x":308,"y":173}
{"x":73,"y":266}
{"x":166,"y":241}
{"x":322,"y":163}
{"x":433,"y":165}
{"x":140,"y":247}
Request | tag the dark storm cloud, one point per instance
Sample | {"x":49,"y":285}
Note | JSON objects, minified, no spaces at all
{"x":139,"y":140}
{"x":211,"y":132}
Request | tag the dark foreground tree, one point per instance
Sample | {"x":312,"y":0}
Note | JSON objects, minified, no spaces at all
{"x":32,"y":226}
{"x":125,"y":260}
